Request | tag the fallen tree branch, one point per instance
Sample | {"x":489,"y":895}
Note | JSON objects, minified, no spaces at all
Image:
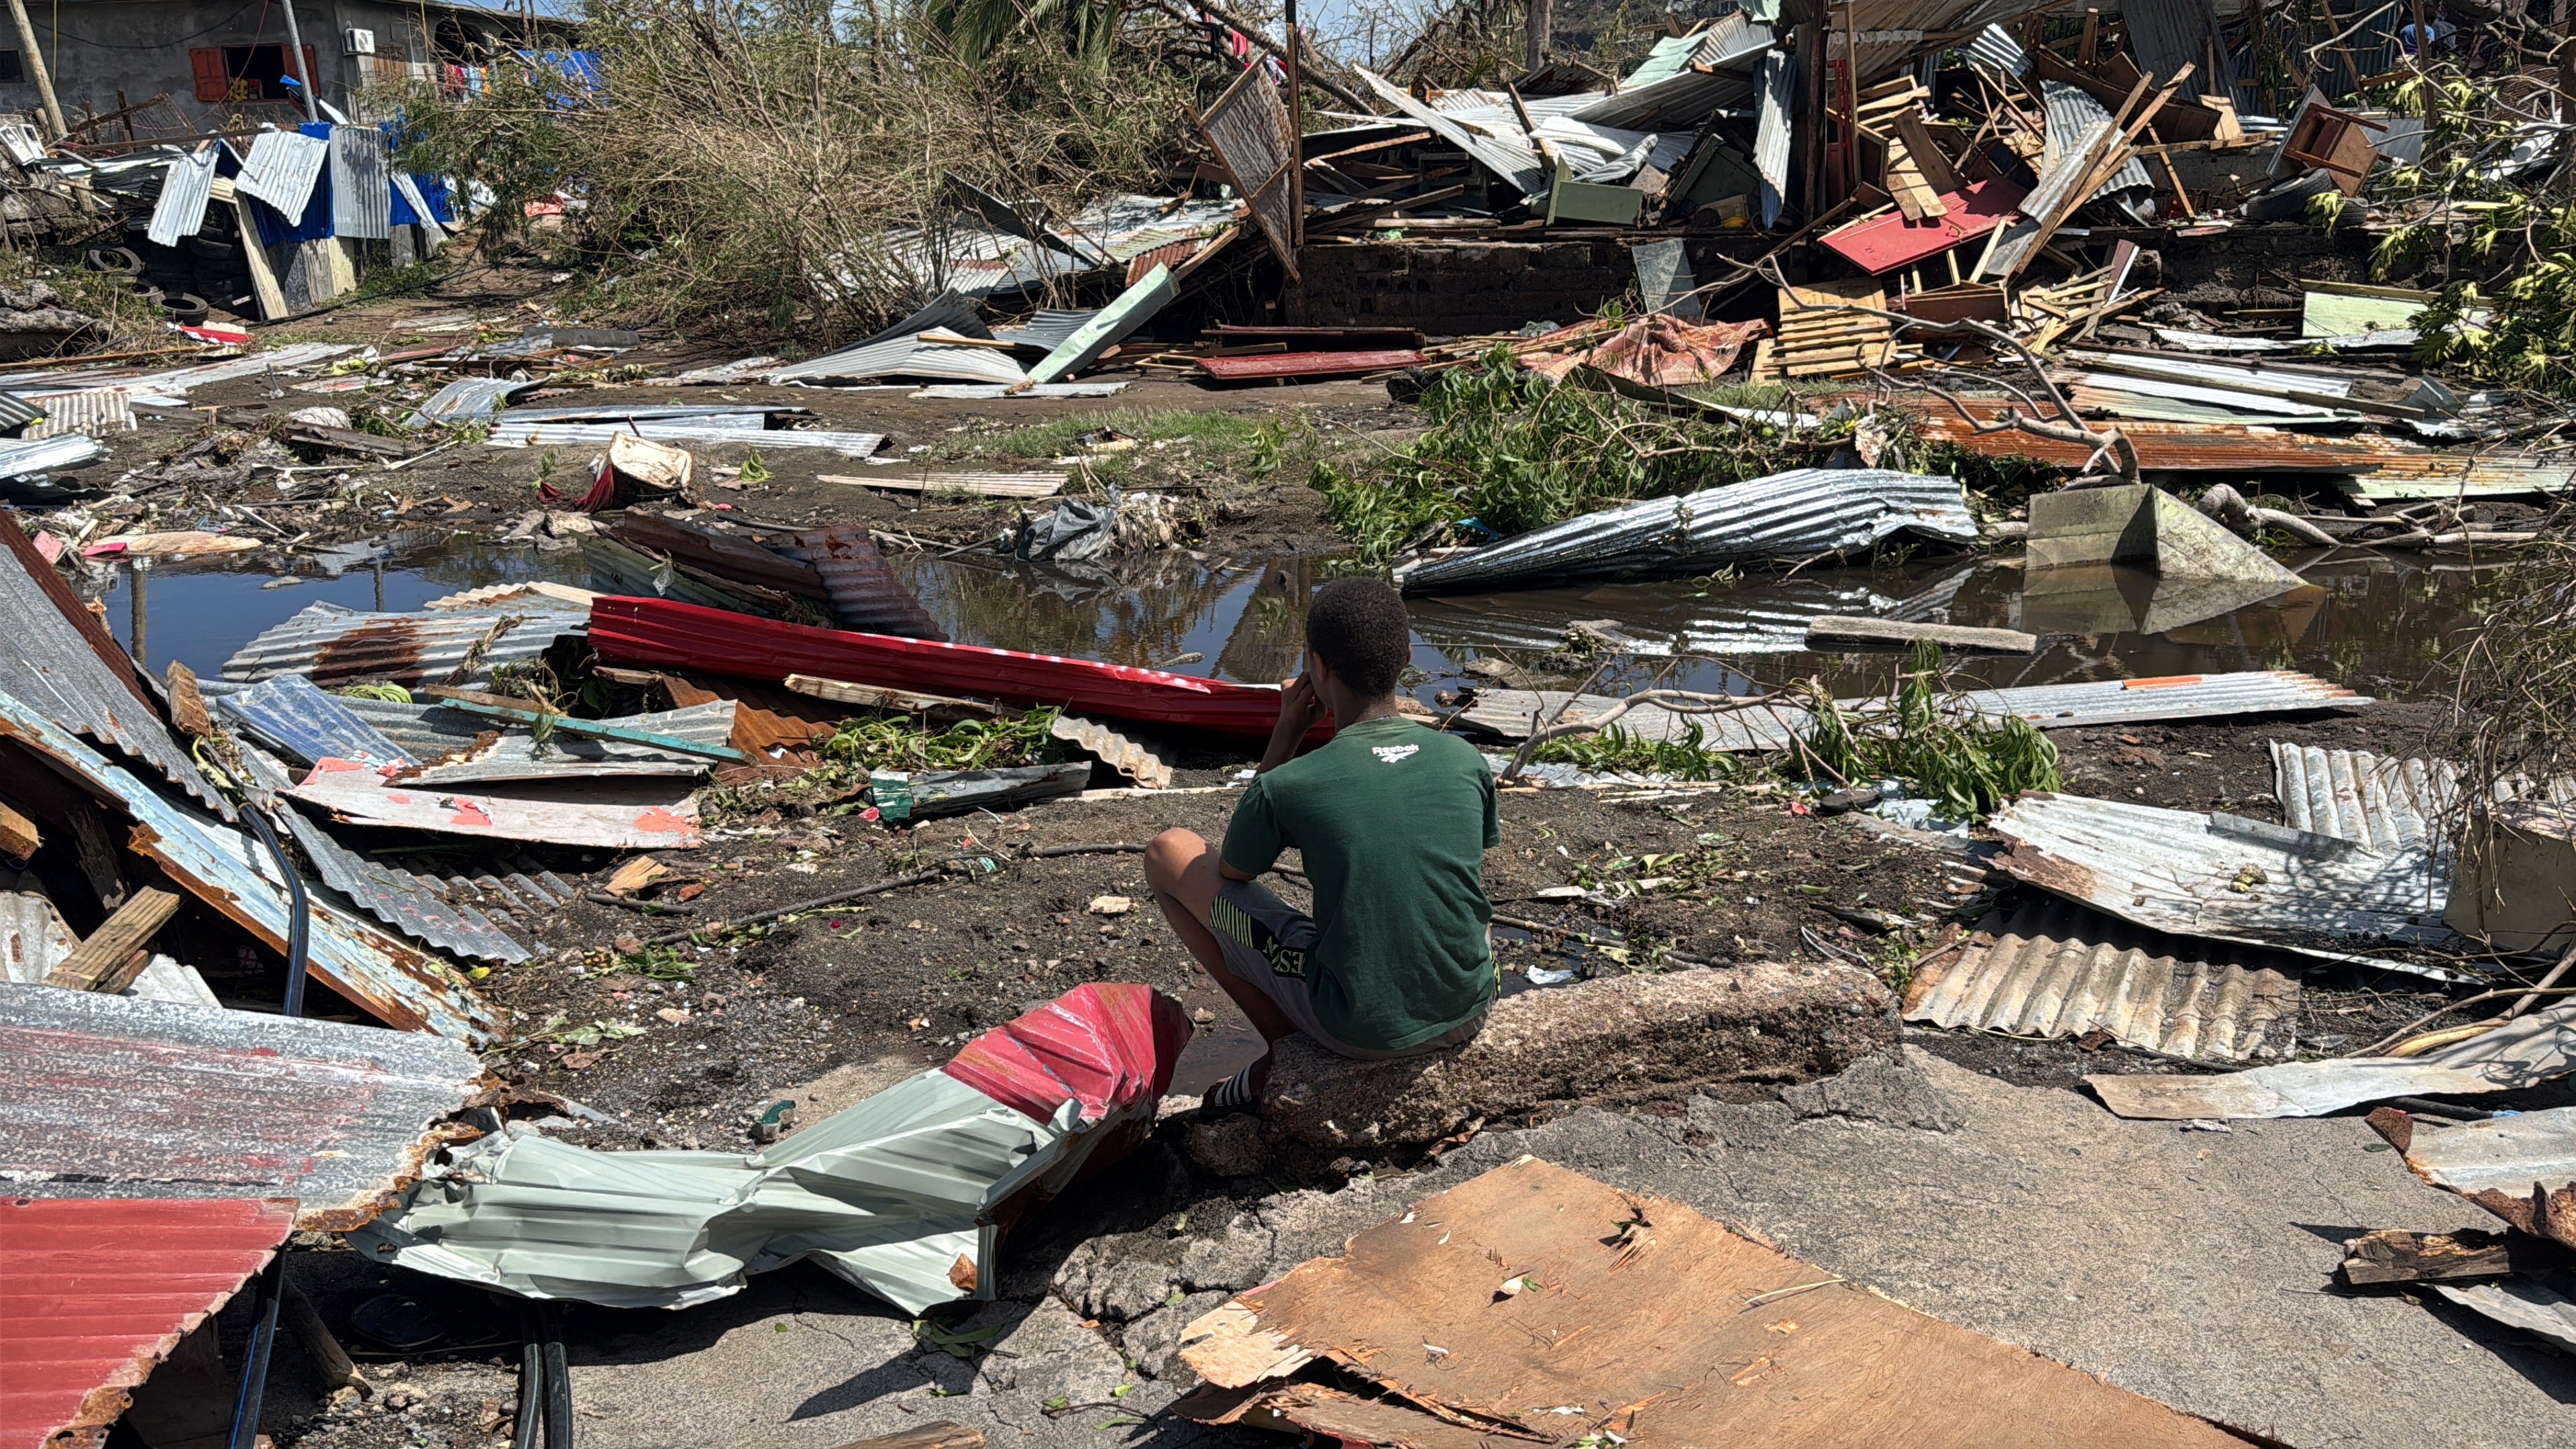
{"x":1672,"y":701}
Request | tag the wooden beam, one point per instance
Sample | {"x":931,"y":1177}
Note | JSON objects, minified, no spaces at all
{"x":113,"y":955}
{"x":18,"y":834}
{"x":905,"y":701}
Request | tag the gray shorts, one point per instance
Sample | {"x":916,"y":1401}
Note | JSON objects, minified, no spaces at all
{"x":1265,"y":940}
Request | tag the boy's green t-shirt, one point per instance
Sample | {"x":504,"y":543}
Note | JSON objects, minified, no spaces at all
{"x":1394,"y":820}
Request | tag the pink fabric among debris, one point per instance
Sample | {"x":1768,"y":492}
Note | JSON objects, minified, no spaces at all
{"x":1659,"y":351}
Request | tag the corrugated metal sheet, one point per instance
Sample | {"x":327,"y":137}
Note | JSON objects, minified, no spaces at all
{"x":742,"y":370}
{"x":95,"y":413}
{"x":2074,"y":117}
{"x":177,"y":382}
{"x":659,"y":632}
{"x":617,"y":568}
{"x":494,"y":598}
{"x":185,"y":186}
{"x":1793,"y":516}
{"x":2522,"y":1053}
{"x":362,"y":199}
{"x":909,"y":356}
{"x":44,"y":455}
{"x":2190,"y":874}
{"x":1514,"y":161}
{"x":568,"y":435}
{"x":471,"y":397}
{"x":1307,"y":364}
{"x":400,"y":984}
{"x":1995,"y":49}
{"x":2521,"y":1167}
{"x":2524,"y":1303}
{"x":1506,"y":712}
{"x":2167,"y":35}
{"x":17,"y":412}
{"x":1773,"y":130}
{"x":2056,"y":970}
{"x":282,"y":168}
{"x":1048,"y":329}
{"x":93,"y":1295}
{"x":1718,"y":78}
{"x":715,"y":415}
{"x":1133,"y":758}
{"x":903,"y":1194}
{"x":864,"y":591}
{"x":455,"y":758}
{"x":114,"y":1098}
{"x":337,"y":646}
{"x":2387,"y":805}
{"x":1248,"y":129}
{"x":291,"y":713}
{"x":1113,"y":324}
{"x":58,"y":658}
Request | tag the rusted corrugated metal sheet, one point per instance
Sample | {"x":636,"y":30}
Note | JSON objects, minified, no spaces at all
{"x":2056,"y":970}
{"x":400,"y":984}
{"x":2201,"y":875}
{"x":862,"y":587}
{"x":2521,"y":1167}
{"x":1307,"y":364}
{"x":109,"y":1097}
{"x":60,"y":659}
{"x":1507,"y":712}
{"x":333,"y":645}
{"x":93,"y":1295}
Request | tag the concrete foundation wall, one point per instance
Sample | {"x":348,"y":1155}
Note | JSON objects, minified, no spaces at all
{"x":1454,"y":288}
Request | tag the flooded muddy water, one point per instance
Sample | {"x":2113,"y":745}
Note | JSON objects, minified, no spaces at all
{"x":2377,"y":623}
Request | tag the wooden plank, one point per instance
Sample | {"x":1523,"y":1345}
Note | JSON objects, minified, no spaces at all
{"x":869,"y":696}
{"x":263,"y":275}
{"x":2393,"y":1255}
{"x":1827,"y":633}
{"x":113,"y":955}
{"x":19,"y":837}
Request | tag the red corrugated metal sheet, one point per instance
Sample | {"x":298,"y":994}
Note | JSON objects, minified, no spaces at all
{"x":93,"y":1294}
{"x":1308,"y":364}
{"x":1892,"y":241}
{"x":1108,"y":1046}
{"x":660,"y":632}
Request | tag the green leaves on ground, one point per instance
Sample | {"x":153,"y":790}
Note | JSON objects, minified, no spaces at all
{"x":1930,"y":739}
{"x":901,"y":742}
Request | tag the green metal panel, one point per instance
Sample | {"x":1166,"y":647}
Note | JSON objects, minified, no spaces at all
{"x":1109,"y":326}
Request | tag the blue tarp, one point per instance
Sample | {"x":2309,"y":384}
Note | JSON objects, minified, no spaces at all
{"x":276,"y":230}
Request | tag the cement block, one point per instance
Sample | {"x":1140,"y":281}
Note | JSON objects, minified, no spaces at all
{"x":2146,"y":527}
{"x":1616,"y":1039}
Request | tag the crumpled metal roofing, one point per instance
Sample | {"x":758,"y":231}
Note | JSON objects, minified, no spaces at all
{"x":1047,"y":330}
{"x":901,"y":1194}
{"x":433,"y":732}
{"x":58,"y":658}
{"x":564,"y":435}
{"x":471,"y":397}
{"x":714,"y":415}
{"x":99,"y":1293}
{"x":2524,"y":1303}
{"x":109,"y":1097}
{"x":292,"y":713}
{"x":362,"y":199}
{"x":1995,"y":48}
{"x":2056,"y":970}
{"x":2047,"y":706}
{"x":1717,"y":77}
{"x":2072,"y":116}
{"x":2520,"y":1166}
{"x":2188,"y":873}
{"x":1515,"y":161}
{"x":1792,"y":516}
{"x":924,"y":356}
{"x":2524,"y":1052}
{"x":1772,"y":129}
{"x":171,"y":388}
{"x":400,"y":984}
{"x":862,"y":586}
{"x":335,"y":645}
{"x":186,"y":184}
{"x":282,"y":168}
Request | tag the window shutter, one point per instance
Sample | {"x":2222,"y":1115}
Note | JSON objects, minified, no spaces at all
{"x":213,"y":83}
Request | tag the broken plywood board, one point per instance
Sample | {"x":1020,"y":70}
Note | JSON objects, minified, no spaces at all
{"x":1532,"y":1288}
{"x":614,"y":814}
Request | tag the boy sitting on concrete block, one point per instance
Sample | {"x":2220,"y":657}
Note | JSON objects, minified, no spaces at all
{"x":1393,"y":820}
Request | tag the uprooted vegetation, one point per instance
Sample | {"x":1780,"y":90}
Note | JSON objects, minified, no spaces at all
{"x":754,"y":170}
{"x":1512,"y":451}
{"x":1967,"y":763}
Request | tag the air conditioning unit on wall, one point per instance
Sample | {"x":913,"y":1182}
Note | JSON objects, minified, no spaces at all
{"x":361,"y":42}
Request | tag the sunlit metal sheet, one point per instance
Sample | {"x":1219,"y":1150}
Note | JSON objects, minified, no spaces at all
{"x":924,"y":356}
{"x":400,"y":984}
{"x":171,"y":388}
{"x":100,"y":1293}
{"x":282,"y":168}
{"x":1717,"y":75}
{"x":185,"y":186}
{"x":114,"y":1098}
{"x":1047,"y":330}
{"x":2191,"y":874}
{"x":1792,"y":517}
{"x":569,"y":435}
{"x":2057,"y":970}
{"x":2524,"y":1303}
{"x":336,"y":646}
{"x":1111,"y":325}
{"x":458,"y":757}
{"x":362,"y":198}
{"x":2521,"y":1167}
{"x":2358,"y":796}
{"x":2522,"y":1053}
{"x":996,"y":392}
{"x":1133,"y":758}
{"x":1516,"y":162}
{"x":2073,"y":116}
{"x":1995,"y":48}
{"x":289,"y":712}
{"x":58,"y":658}
{"x":1507,"y":712}
{"x":714,"y":415}
{"x":1249,"y":129}
{"x":95,"y":411}
{"x":469,"y":398}
{"x":44,"y":455}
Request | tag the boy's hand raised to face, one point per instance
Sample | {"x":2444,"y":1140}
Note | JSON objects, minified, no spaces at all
{"x":1301,"y":706}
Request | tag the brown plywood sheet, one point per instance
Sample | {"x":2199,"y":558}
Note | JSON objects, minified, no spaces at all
{"x":1518,"y":1296}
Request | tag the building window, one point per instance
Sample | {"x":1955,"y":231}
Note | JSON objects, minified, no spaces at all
{"x":244,"y":72}
{"x":13,"y":67}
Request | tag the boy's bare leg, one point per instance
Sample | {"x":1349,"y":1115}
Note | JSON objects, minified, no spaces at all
{"x":1182,"y":870}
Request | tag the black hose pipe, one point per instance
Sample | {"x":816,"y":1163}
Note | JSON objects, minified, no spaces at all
{"x":299,"y":911}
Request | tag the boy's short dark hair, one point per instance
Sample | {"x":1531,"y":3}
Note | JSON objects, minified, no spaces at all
{"x":1358,"y":626}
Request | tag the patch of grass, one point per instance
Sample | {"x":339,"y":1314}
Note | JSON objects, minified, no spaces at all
{"x":1211,"y":432}
{"x":1941,"y":750}
{"x":900,"y":742}
{"x":1616,"y":749}
{"x":420,"y":276}
{"x":661,"y":963}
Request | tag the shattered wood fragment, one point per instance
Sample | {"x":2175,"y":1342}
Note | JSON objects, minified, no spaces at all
{"x":113,"y":955}
{"x":2393,"y":1255}
{"x":903,"y":701}
{"x":939,"y":1434}
{"x":19,"y":837}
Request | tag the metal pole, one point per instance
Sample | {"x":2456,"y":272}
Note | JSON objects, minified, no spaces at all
{"x":37,"y":69}
{"x":294,"y":62}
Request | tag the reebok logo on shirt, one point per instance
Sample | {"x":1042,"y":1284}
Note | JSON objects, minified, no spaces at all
{"x":1395,"y":754}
